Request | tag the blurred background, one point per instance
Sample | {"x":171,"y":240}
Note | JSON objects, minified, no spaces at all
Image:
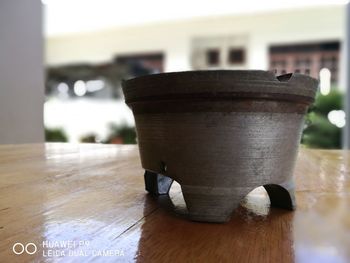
{"x":79,"y":51}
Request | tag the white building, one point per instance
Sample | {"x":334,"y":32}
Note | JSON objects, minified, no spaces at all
{"x":178,"y":40}
{"x":301,"y":39}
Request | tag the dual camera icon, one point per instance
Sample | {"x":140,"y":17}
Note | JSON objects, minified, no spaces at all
{"x":19,"y":248}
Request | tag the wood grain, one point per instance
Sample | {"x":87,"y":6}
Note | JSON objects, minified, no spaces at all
{"x":94,"y":194}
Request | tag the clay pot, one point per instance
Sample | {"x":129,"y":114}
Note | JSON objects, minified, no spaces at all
{"x":220,"y":134}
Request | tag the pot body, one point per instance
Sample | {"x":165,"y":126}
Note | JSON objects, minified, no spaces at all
{"x":220,"y":148}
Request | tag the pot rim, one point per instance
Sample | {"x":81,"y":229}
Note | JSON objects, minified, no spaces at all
{"x":220,"y":85}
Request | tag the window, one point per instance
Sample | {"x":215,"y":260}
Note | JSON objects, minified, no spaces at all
{"x":213,"y":57}
{"x":306,"y":58}
{"x":236,"y":56}
{"x":225,"y":52}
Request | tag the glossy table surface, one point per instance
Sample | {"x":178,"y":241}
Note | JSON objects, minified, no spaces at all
{"x":87,"y":203}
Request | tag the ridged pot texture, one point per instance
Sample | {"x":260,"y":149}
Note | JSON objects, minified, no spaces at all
{"x":220,"y":134}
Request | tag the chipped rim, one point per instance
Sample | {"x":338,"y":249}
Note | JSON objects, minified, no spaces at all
{"x":220,"y":85}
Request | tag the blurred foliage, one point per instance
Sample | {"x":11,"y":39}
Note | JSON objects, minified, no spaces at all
{"x":319,"y":132}
{"x":121,"y":134}
{"x":118,"y":134}
{"x":333,"y":101}
{"x":89,"y":138}
{"x":55,"y":135}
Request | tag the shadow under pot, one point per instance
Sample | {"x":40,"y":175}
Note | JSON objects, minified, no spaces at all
{"x":220,"y":134}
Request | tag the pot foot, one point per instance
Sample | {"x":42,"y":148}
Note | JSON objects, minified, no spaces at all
{"x":211,"y":204}
{"x":282,"y":195}
{"x":157,"y":184}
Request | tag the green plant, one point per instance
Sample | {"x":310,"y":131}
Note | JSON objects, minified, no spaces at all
{"x":318,"y":131}
{"x":326,"y":103}
{"x":55,"y":135}
{"x":122,"y":134}
{"x":89,"y":138}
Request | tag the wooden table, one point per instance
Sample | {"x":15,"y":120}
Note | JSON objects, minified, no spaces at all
{"x":81,"y":203}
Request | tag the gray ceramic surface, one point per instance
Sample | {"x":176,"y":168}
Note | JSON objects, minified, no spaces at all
{"x":220,"y":134}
